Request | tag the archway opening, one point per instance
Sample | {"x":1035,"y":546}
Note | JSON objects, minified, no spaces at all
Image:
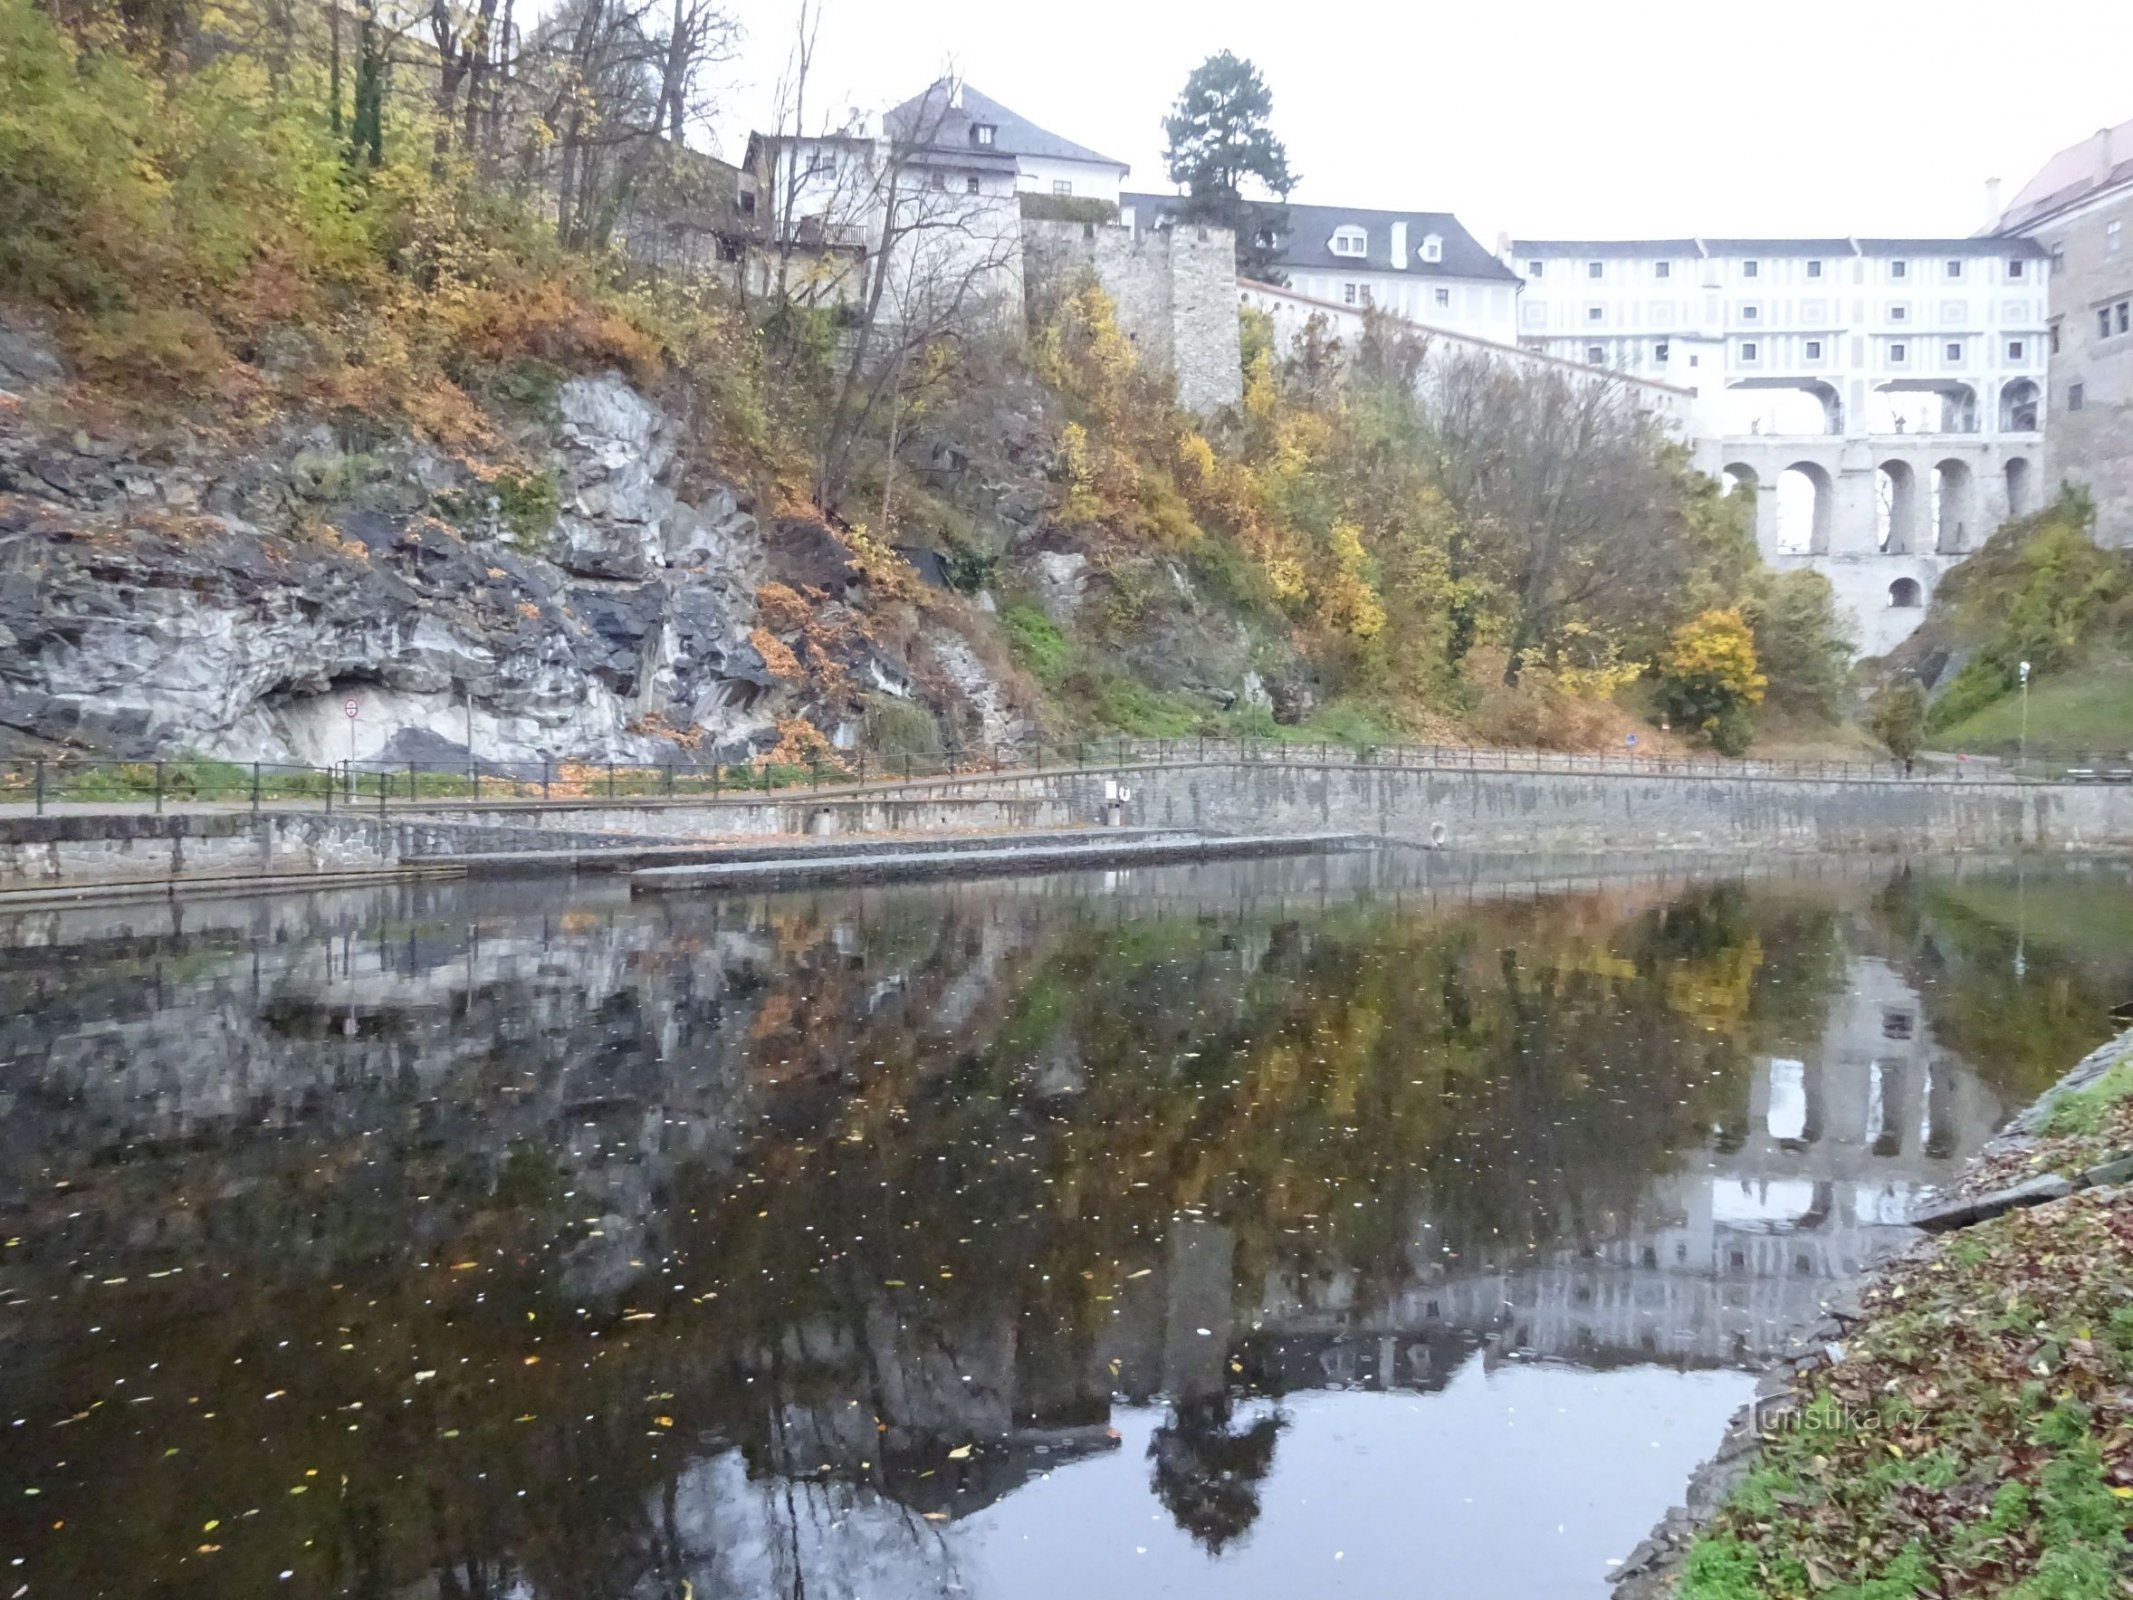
{"x":1896,"y":508}
{"x":1922,"y":405}
{"x":1803,"y":509}
{"x":1904,"y":593}
{"x":1953,"y":515}
{"x":2019,"y":404}
{"x":2018,"y":486}
{"x":1781,"y":407}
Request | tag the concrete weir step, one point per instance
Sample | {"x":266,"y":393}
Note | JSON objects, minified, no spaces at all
{"x":782,"y":847}
{"x":991,"y":860}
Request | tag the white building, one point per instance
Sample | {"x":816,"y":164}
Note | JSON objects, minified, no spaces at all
{"x":1882,"y":397}
{"x":950,"y":165}
{"x":1420,"y":265}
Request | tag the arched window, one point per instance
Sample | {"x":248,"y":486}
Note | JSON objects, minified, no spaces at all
{"x":1350,"y":241}
{"x":1433,"y":248}
{"x":1903,"y":593}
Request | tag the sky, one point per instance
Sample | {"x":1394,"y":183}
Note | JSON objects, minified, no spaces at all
{"x":1539,"y":118}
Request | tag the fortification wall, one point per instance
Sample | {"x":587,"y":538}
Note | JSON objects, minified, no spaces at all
{"x":1175,"y":290}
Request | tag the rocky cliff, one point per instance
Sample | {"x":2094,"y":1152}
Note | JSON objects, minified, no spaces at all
{"x":588,"y":592}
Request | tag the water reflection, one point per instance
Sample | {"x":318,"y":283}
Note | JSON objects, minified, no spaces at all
{"x":997,"y":1239}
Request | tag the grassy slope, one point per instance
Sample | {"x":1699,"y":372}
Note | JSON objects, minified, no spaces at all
{"x":2090,"y":709}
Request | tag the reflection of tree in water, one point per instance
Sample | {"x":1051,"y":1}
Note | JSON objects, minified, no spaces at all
{"x":1208,"y":1469}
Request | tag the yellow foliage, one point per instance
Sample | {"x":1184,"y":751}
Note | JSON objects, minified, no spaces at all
{"x":1717,"y":648}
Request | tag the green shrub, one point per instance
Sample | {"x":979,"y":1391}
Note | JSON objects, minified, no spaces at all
{"x":1036,"y":641}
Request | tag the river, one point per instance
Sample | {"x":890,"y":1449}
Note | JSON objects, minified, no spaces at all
{"x":1362,"y":1225}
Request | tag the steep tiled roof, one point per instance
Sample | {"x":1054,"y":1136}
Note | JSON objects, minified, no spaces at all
{"x":2102,"y":161}
{"x":1307,"y":239}
{"x":1013,"y":134}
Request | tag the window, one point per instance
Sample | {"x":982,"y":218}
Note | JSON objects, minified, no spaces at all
{"x":1751,"y":269}
{"x":2074,"y":397}
{"x":1954,"y":351}
{"x":1898,"y":354}
{"x":2014,"y":349}
{"x":1350,"y":242}
{"x":1660,"y":351}
{"x":2055,"y":338}
{"x":1535,"y":269}
{"x":2125,"y":308}
{"x":1748,"y":351}
{"x":1750,"y":313}
{"x":940,"y":180}
{"x":2017,"y":269}
{"x":1595,"y":313}
{"x":1662,"y":269}
{"x":821,"y":165}
{"x":1955,"y":272}
{"x":1814,"y":349}
{"x":2113,"y":237}
{"x":1595,"y":353}
{"x":1433,"y":248}
{"x":1351,"y":293}
{"x":2058,"y":259}
{"x":1814,"y":269}
{"x":970,"y":184}
{"x":1444,"y":297}
{"x":981,"y":134}
{"x":2103,"y":322}
{"x":1899,"y":313}
{"x":1899,"y":269}
{"x":1595,"y":269}
{"x":1062,"y":186}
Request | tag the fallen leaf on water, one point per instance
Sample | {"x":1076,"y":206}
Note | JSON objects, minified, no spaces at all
{"x":960,"y":1453}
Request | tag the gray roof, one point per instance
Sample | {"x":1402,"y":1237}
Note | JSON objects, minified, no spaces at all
{"x":1013,"y":134}
{"x":2102,"y":161}
{"x":1615,"y":249}
{"x":1307,"y":239}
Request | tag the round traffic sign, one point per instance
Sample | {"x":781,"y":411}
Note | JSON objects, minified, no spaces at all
{"x":350,"y":707}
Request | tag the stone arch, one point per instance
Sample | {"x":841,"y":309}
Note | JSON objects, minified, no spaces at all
{"x":1738,"y":477}
{"x":1805,"y":502}
{"x":1954,"y":513}
{"x":1896,"y":508}
{"x":2020,"y":403}
{"x":2018,"y":473}
{"x":1904,"y":593}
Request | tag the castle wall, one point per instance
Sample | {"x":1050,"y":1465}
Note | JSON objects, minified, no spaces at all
{"x":1175,"y":290}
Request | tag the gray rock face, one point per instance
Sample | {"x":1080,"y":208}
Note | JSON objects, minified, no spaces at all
{"x":152,"y":606}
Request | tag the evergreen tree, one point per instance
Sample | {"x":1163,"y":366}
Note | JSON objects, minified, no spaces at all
{"x":1220,"y":138}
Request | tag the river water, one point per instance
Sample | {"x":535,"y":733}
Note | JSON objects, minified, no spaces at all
{"x":1367,"y":1225}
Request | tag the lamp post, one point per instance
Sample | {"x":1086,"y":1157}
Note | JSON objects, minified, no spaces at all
{"x":2023,"y":748}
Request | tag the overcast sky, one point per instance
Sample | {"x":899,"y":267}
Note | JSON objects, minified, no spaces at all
{"x":1543,"y":118}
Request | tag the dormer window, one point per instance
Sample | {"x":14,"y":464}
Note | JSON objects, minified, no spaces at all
{"x":1350,"y":242}
{"x":1433,"y":248}
{"x":981,"y":134}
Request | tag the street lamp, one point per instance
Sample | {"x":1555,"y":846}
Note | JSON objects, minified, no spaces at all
{"x":2024,"y":747}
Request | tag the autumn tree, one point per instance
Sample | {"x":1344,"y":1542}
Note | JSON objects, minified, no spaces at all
{"x":1221,"y":147}
{"x":1898,"y":718}
{"x":1709,"y":682}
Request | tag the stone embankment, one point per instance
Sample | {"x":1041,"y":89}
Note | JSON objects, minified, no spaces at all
{"x":1575,"y":809}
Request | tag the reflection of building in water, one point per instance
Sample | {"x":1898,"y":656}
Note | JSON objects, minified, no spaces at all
{"x":1734,"y":1252}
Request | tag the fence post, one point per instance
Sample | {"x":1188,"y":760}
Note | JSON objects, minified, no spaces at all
{"x":544,"y":777}
{"x":862,"y":763}
{"x":670,"y":777}
{"x":40,"y":786}
{"x":385,"y":783}
{"x":329,"y":791}
{"x":718,"y":774}
{"x":474,"y":774}
{"x":907,"y":766}
{"x":611,"y":780}
{"x":159,"y":786}
{"x":255,"y":788}
{"x":814,"y":769}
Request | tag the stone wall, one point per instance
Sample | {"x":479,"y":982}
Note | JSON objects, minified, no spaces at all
{"x":1175,"y":289}
{"x":2092,"y":446}
{"x":1529,"y":811}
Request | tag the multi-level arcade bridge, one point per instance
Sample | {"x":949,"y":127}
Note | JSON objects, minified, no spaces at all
{"x":1881,"y":399}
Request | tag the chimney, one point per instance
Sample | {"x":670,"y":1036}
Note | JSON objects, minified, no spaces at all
{"x":1992,"y":204}
{"x":1399,"y":246}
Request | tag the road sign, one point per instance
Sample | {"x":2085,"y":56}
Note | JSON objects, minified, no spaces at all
{"x":1629,"y":738}
{"x":351,"y":708}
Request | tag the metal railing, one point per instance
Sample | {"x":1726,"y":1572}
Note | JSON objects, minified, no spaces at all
{"x":44,"y":783}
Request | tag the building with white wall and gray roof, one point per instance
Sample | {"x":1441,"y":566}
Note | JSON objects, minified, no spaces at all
{"x":1881,"y":398}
